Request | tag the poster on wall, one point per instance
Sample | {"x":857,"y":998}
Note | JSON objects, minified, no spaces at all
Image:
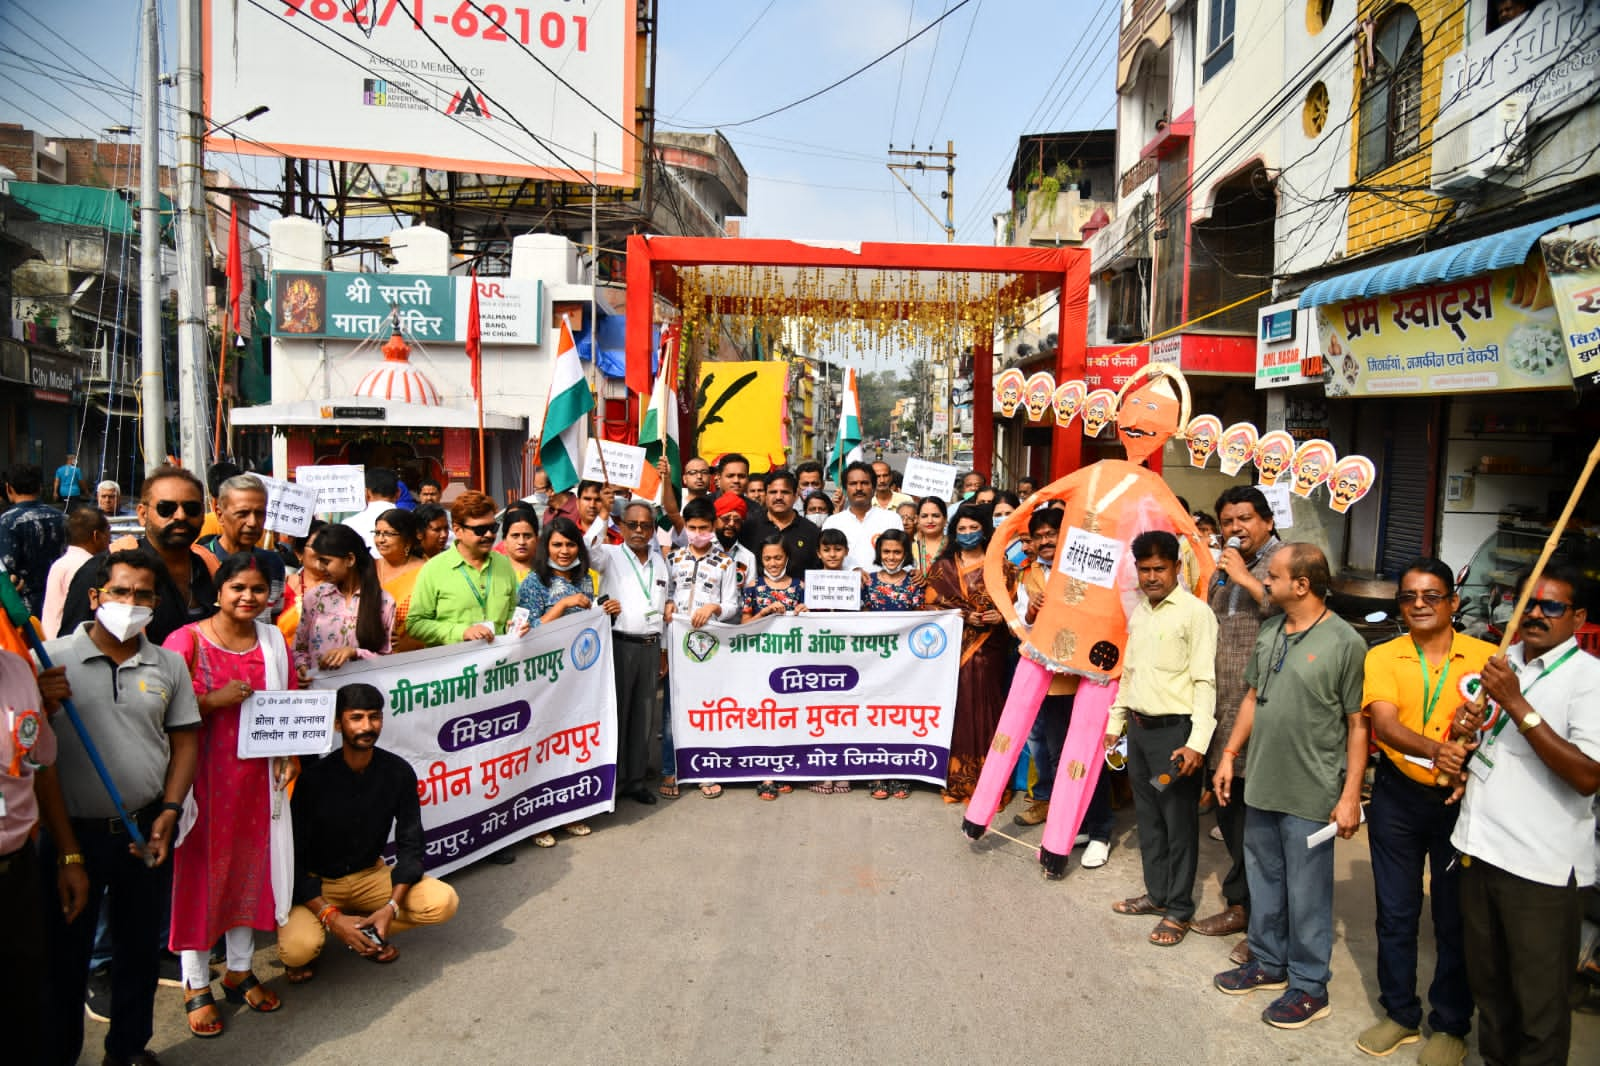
{"x":1572,"y":257}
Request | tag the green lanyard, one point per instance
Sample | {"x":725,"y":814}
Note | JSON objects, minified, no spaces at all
{"x":1552,"y":668}
{"x":638,"y":575}
{"x":1430,"y":698}
{"x":480,"y":596}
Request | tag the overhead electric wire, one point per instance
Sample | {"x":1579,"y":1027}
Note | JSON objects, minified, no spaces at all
{"x":734,"y":47}
{"x":960,"y":62}
{"x":900,"y":81}
{"x":933,"y":60}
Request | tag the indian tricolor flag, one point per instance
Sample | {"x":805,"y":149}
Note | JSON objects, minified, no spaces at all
{"x":658,"y":429}
{"x":566,"y":417}
{"x":847,"y":445}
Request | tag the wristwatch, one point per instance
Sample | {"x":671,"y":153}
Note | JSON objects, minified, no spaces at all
{"x":1530,"y":721}
{"x":175,"y":808}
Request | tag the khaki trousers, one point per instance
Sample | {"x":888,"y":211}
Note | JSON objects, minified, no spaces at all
{"x":428,"y":902}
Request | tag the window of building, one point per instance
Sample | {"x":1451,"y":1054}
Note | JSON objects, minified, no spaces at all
{"x":1219,"y":36}
{"x":1318,"y":15}
{"x":1503,"y":11}
{"x":1314,"y":112}
{"x":1391,"y":98}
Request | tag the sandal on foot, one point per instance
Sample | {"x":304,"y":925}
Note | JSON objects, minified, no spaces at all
{"x":669,"y":788}
{"x":822,"y":788}
{"x":545,"y":840}
{"x":879,"y":790}
{"x":386,"y":956}
{"x":785,"y":787}
{"x":1169,"y":932}
{"x":299,"y":975}
{"x":263,"y":1002}
{"x":204,"y":1028}
{"x":900,"y":789}
{"x":841,"y":788}
{"x":767,"y":791}
{"x":578,"y":829}
{"x":1138,"y":905}
{"x":710,"y":791}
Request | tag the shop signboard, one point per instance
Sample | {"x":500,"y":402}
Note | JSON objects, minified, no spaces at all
{"x":1288,"y":351}
{"x":1572,"y":256}
{"x":1492,"y":332}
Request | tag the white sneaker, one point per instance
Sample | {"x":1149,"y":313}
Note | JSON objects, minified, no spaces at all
{"x":1080,"y":840}
{"x":1096,"y":854}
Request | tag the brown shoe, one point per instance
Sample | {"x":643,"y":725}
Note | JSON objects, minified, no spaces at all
{"x":1241,"y":954}
{"x":1033,"y":814}
{"x":1228,"y":921}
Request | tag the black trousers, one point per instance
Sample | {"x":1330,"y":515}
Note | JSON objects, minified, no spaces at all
{"x":1230,"y":819}
{"x":1522,"y":951}
{"x":638,"y":670}
{"x":22,"y":956}
{"x":139,"y":900}
{"x":1169,"y":819}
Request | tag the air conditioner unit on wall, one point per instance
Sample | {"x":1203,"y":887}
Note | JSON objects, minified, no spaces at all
{"x":1490,"y":148}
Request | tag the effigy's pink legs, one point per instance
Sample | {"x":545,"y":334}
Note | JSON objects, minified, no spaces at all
{"x":1028,"y":686}
{"x":1082,"y":760}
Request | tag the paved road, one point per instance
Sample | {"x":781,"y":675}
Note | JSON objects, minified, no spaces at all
{"x":812,"y":929}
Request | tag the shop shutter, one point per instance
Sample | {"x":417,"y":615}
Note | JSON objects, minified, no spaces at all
{"x":1407,"y":459}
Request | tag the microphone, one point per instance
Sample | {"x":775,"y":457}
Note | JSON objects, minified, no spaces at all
{"x":1222,"y":575}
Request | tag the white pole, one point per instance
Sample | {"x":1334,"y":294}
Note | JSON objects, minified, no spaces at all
{"x":594,"y":278}
{"x":152,"y":375}
{"x":194,"y":251}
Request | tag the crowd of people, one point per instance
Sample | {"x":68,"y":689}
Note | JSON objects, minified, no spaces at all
{"x":1250,"y":697}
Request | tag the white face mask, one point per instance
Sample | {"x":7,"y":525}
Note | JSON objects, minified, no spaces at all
{"x":123,"y":620}
{"x":885,"y":568}
{"x":776,"y":575}
{"x":563,"y":569}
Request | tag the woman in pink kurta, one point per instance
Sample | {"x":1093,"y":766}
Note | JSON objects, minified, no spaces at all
{"x":347,"y":617}
{"x":222,"y":867}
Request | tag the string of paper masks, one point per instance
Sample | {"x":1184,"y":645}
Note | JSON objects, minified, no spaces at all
{"x":1276,"y":455}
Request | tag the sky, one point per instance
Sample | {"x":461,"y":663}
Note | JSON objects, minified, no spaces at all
{"x":985,"y":75}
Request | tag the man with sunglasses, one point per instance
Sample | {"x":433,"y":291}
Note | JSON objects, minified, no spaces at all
{"x":1308,"y":754}
{"x":467,"y":591}
{"x":171,"y":509}
{"x":1410,"y":696}
{"x":139,"y":706}
{"x":1526,"y":829}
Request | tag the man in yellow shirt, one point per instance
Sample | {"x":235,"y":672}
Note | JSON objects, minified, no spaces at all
{"x":1167,"y":700}
{"x":1411,"y":693}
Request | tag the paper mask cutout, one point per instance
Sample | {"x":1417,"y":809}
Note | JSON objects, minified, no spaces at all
{"x":1068,"y":401}
{"x":1098,"y":408}
{"x":1202,"y":433}
{"x":1310,"y":466}
{"x":1037,"y":394}
{"x":1008,"y":391}
{"x":1148,"y":418}
{"x":1350,"y":479}
{"x":1237,"y":447}
{"x":1273,"y":452}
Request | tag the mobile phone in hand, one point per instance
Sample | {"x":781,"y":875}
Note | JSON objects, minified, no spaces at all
{"x":372,"y":935}
{"x":1163,"y":780}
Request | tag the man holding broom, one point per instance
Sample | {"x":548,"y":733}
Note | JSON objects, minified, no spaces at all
{"x":1526,"y":829}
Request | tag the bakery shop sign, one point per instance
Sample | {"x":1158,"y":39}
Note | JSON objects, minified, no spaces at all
{"x":1491,"y":332}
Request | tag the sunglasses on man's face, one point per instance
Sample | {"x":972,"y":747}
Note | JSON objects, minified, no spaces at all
{"x":168,"y":508}
{"x":480,"y":531}
{"x":1549,"y":608}
{"x":637,"y":525}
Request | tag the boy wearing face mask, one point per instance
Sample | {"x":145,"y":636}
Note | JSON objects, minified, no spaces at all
{"x":138,"y":704}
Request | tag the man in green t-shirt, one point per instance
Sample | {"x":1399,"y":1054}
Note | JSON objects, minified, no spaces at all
{"x":1308,"y":751}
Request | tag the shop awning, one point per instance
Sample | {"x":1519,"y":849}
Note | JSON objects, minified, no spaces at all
{"x":1463,"y":260}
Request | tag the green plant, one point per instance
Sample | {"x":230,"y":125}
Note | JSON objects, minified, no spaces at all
{"x":1067,"y":174}
{"x":1049,"y":189}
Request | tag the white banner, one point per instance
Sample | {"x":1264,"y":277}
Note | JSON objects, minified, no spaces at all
{"x":853,"y":696}
{"x":508,"y":738}
{"x":286,"y":723}
{"x":923,"y":479}
{"x":340,"y":489}
{"x":510,"y":310}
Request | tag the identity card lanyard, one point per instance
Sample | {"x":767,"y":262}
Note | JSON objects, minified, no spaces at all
{"x":644,"y":582}
{"x":481,"y":595}
{"x":1494,"y":735}
{"x":1430,"y":697}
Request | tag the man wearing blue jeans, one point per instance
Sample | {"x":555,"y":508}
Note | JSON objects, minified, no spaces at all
{"x":1308,"y":750}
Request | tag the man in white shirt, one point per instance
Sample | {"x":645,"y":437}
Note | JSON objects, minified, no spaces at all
{"x":887,"y":497}
{"x":383,"y":488}
{"x":1526,"y":829}
{"x":88,"y":534}
{"x":634,"y":575}
{"x":861,"y":522}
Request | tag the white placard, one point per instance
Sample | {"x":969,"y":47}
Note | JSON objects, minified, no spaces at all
{"x":924,"y":479}
{"x":340,"y":489}
{"x":624,"y":463}
{"x":290,"y":507}
{"x":1089,"y":557}
{"x":286,"y":723}
{"x":833,"y":590}
{"x":1282,"y":504}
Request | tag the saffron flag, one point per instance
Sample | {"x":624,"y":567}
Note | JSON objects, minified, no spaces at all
{"x":566,"y":417}
{"x":475,"y":340}
{"x":658,"y":429}
{"x":847,"y":445}
{"x":235,"y":270}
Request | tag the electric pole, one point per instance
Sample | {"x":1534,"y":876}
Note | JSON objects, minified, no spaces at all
{"x":194,"y":251}
{"x":921,"y":162}
{"x":152,"y":375}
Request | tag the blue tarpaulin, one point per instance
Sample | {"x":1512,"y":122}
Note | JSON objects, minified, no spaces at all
{"x":613,"y":346}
